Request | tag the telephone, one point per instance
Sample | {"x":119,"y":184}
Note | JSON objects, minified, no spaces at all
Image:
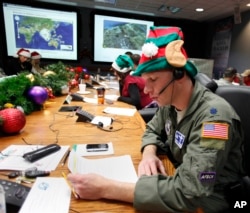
{"x":84,"y":116}
{"x":15,"y":194}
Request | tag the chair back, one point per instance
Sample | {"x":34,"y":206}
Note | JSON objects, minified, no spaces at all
{"x":206,"y":81}
{"x":239,"y":98}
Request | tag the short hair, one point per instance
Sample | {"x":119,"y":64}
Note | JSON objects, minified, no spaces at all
{"x":135,"y":58}
{"x":230,"y":72}
{"x":129,"y":53}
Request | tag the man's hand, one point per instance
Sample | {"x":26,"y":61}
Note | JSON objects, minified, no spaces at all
{"x":150,"y":164}
{"x":94,"y":187}
{"x":88,"y":186}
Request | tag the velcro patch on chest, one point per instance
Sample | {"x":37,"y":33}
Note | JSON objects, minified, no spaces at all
{"x":215,"y":130}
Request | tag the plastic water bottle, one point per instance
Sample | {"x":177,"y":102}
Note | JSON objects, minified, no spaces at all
{"x":108,"y":77}
{"x":98,"y":75}
{"x":2,"y":200}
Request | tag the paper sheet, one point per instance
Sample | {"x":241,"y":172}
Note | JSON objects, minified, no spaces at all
{"x":82,"y":151}
{"x":48,"y":195}
{"x":119,"y":168}
{"x":109,"y":97}
{"x":11,"y":158}
{"x":106,"y":121}
{"x":120,"y":111}
{"x":90,"y":100}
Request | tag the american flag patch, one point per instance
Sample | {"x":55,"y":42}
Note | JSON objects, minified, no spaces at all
{"x":215,"y":130}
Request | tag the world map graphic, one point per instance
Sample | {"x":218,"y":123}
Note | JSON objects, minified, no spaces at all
{"x":43,"y":33}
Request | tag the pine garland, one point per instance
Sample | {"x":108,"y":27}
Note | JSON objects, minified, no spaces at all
{"x":14,"y":89}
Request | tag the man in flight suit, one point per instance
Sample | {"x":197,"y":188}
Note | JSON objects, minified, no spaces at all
{"x":200,"y":130}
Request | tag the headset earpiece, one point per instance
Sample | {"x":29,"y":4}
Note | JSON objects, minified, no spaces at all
{"x":178,"y":74}
{"x":109,"y":128}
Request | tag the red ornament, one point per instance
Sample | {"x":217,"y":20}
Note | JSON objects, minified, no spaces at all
{"x":86,"y":76}
{"x":12,"y":120}
{"x":78,"y":69}
{"x":49,"y":92}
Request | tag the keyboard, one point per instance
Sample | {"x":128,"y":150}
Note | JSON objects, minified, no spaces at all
{"x":15,"y":193}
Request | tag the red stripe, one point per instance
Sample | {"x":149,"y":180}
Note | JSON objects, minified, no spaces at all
{"x":218,"y":131}
{"x":164,"y":32}
{"x":160,"y":53}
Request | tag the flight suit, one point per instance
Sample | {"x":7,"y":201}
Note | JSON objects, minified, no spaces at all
{"x":207,"y":146}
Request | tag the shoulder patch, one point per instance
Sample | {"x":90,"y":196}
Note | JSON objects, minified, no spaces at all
{"x":215,"y":130}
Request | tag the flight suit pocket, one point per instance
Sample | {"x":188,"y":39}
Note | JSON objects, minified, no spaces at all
{"x":198,"y":174}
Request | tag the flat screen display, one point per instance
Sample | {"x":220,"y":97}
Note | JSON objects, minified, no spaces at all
{"x":114,"y":36}
{"x":52,"y":33}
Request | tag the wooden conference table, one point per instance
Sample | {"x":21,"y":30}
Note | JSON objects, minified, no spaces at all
{"x":48,"y":125}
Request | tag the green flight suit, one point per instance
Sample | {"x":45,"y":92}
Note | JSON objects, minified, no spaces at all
{"x":208,"y":160}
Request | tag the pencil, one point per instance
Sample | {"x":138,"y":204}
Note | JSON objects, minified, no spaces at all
{"x":65,"y":158}
{"x":72,"y":189}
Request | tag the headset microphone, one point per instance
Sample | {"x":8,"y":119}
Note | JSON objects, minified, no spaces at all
{"x":167,"y":85}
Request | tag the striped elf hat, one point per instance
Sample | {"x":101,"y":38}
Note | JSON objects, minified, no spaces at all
{"x":123,"y":63}
{"x":163,"y":50}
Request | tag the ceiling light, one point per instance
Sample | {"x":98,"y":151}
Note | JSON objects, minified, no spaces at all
{"x":106,"y":1}
{"x":173,"y":9}
{"x":162,"y":8}
{"x":199,"y":9}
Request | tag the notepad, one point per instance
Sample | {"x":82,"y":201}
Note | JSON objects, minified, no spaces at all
{"x":118,"y":168}
{"x":48,"y":194}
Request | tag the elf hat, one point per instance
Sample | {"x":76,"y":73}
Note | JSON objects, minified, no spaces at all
{"x":23,"y":52}
{"x":35,"y":55}
{"x":123,"y":63}
{"x":163,"y":50}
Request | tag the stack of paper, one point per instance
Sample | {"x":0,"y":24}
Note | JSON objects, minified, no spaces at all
{"x":119,"y":168}
{"x":48,"y":195}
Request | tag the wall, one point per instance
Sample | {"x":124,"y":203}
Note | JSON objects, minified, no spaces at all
{"x":194,"y":34}
{"x":240,"y":44}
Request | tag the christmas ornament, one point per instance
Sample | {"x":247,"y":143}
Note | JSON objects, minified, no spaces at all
{"x":49,"y":92}
{"x":8,"y":105}
{"x":49,"y":72}
{"x":38,"y":94}
{"x":12,"y":120}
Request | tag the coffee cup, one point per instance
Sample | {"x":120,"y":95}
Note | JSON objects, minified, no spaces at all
{"x":82,"y":87}
{"x":100,"y":95}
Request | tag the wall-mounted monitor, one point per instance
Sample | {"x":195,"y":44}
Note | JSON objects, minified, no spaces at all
{"x":115,"y":35}
{"x":49,"y":31}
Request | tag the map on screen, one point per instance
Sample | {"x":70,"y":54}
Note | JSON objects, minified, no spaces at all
{"x":42,"y":33}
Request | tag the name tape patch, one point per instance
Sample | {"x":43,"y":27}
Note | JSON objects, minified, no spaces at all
{"x":207,"y":176}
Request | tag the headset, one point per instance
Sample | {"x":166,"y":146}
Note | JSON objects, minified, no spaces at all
{"x":177,"y":74}
{"x":109,"y":128}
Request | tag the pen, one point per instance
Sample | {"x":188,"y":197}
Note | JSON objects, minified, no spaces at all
{"x":65,"y":158}
{"x":72,"y":189}
{"x":74,"y":148}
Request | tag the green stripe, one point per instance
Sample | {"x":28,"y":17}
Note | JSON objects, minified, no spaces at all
{"x":164,"y":40}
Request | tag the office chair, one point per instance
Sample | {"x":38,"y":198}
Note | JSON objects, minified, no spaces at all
{"x":239,"y":98}
{"x":206,"y":81}
{"x":148,"y":113}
